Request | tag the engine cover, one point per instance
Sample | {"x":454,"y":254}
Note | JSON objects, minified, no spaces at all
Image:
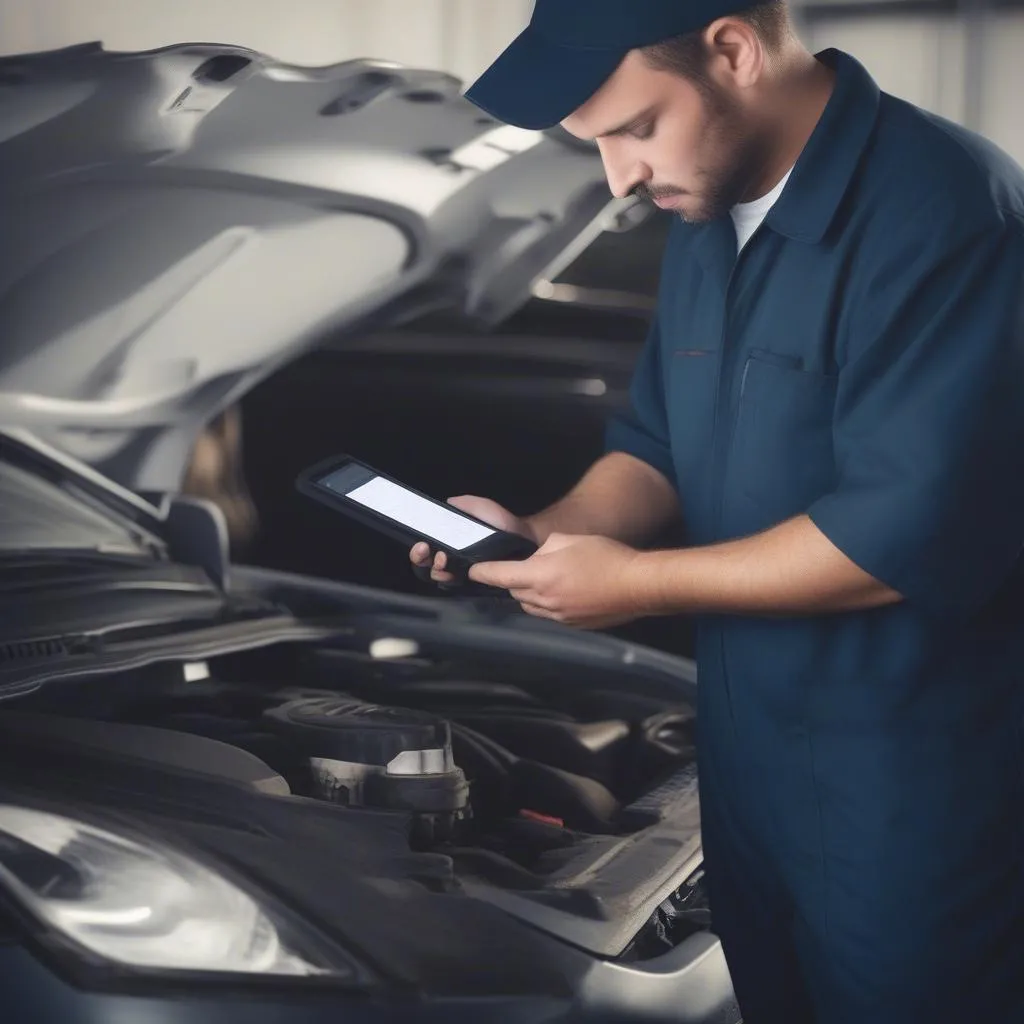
{"x":365,"y":755}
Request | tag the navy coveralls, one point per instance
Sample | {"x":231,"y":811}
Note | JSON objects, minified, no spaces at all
{"x":861,"y":362}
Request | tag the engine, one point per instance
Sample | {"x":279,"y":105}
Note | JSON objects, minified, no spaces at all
{"x":470,"y":760}
{"x":524,"y":782}
{"x":365,"y":755}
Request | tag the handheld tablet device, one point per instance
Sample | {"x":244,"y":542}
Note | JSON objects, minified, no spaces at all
{"x":407,"y":516}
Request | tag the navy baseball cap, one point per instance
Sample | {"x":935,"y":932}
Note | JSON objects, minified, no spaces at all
{"x":572,"y":47}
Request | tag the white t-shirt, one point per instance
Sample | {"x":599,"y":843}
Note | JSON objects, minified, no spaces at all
{"x":748,"y":216}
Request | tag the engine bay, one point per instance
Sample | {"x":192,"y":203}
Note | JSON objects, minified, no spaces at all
{"x":557,"y":795}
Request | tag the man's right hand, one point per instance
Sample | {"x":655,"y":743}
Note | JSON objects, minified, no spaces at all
{"x":482,"y":508}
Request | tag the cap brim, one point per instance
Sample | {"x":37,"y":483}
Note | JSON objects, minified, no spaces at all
{"x":535,"y":84}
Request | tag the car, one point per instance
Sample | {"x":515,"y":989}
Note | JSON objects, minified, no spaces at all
{"x":515,"y":411}
{"x":233,"y":791}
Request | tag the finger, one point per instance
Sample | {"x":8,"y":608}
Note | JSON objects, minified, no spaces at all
{"x":484,"y":510}
{"x":438,"y":571}
{"x":473,"y":505}
{"x":505,"y":575}
{"x":420,"y":554}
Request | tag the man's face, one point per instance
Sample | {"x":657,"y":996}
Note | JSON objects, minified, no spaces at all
{"x":691,"y":150}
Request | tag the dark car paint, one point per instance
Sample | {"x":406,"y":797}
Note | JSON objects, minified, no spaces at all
{"x":43,"y":996}
{"x":687,"y":984}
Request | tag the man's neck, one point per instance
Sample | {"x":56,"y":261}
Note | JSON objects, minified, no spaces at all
{"x":803,"y":92}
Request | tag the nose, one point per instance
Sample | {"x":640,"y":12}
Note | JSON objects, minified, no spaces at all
{"x":622,"y":171}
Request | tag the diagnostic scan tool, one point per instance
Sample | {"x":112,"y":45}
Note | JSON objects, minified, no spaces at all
{"x":407,"y":516}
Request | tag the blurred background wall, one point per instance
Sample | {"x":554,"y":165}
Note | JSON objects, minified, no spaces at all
{"x":966,"y":64}
{"x":964,"y":61}
{"x":456,"y":35}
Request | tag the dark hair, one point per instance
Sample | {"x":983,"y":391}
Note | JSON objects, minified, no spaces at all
{"x":686,"y":55}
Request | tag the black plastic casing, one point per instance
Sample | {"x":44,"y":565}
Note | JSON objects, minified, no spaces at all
{"x":501,"y":546}
{"x":350,"y":730}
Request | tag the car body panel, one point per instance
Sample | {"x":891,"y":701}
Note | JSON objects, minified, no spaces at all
{"x":180,"y":222}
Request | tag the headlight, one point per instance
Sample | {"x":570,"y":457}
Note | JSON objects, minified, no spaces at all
{"x":137,"y":905}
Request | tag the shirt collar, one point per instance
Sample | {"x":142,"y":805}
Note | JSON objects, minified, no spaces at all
{"x":826,"y":167}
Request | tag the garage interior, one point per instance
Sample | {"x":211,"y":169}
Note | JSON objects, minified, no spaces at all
{"x":960,"y":60}
{"x":371,"y":395}
{"x":512,"y":406}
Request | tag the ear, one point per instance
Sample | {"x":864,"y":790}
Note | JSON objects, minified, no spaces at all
{"x":737,"y":54}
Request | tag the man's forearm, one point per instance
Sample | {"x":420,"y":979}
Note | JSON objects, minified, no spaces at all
{"x":619,"y":497}
{"x":792,"y":569}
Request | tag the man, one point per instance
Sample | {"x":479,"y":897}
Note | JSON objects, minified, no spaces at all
{"x":832,"y":398}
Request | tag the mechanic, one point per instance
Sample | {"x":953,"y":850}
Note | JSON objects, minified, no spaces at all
{"x":831,"y":397}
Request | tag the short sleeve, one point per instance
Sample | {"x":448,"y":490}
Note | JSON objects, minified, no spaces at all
{"x":642,"y":429}
{"x":929,"y":423}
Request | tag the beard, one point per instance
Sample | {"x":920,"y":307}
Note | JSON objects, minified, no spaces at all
{"x":739,"y":156}
{"x":730,"y":183}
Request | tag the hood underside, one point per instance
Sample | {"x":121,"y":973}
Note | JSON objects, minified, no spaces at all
{"x":179,"y":223}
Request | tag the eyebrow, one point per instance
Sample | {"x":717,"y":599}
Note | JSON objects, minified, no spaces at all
{"x":631,"y":125}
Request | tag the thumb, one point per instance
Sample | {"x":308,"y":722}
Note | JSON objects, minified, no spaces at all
{"x":483,"y":508}
{"x":465,"y":501}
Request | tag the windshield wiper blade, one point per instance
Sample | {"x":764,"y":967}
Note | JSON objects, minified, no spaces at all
{"x":42,"y":568}
{"x":89,"y":617}
{"x":97,"y":556}
{"x":68,"y":572}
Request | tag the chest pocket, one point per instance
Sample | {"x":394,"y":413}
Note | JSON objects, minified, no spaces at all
{"x":782,"y":457}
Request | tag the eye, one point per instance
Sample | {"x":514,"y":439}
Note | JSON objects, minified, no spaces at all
{"x":645,"y":131}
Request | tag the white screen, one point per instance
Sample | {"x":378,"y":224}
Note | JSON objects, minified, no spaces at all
{"x":424,"y":516}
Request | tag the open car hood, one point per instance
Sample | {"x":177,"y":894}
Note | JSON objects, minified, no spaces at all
{"x":180,"y":222}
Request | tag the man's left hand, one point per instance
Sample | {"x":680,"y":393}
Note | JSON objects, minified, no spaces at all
{"x":583,"y":581}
